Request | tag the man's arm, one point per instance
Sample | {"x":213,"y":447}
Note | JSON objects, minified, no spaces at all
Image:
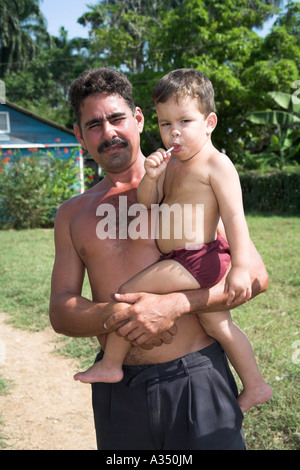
{"x":151,"y":314}
{"x":70,"y":313}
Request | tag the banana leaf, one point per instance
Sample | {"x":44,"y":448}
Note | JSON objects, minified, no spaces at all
{"x":273,"y":117}
{"x":286,"y":101}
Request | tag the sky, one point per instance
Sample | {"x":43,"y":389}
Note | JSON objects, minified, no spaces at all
{"x":66,"y":12}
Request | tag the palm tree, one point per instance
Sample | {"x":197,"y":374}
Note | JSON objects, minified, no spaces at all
{"x":22,"y":29}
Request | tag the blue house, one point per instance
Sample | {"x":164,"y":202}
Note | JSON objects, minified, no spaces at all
{"x":26,"y":132}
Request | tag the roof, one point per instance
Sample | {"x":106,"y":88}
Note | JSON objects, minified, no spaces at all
{"x":39,"y":118}
{"x":28,"y":129}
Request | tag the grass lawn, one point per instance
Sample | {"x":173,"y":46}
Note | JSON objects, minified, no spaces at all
{"x":271,"y":321}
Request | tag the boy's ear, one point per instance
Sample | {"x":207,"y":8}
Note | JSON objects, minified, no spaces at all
{"x":211,"y":122}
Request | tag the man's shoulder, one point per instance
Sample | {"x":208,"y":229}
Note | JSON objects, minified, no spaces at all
{"x":81,"y":202}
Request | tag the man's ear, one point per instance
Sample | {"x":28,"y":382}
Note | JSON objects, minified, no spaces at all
{"x":139,"y":119}
{"x":78,"y":135}
{"x":211,"y":122}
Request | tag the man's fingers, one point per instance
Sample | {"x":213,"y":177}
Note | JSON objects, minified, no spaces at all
{"x":166,"y":337}
{"x":116,"y":318}
{"x":173,"y":330}
{"x":131,"y":336}
{"x":143,"y":346}
{"x":130,"y":298}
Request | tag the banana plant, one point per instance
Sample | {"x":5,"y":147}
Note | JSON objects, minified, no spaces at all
{"x":284,"y":143}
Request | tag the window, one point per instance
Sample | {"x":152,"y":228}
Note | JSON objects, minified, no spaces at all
{"x":4,"y":123}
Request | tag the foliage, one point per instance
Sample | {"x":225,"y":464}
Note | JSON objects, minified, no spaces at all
{"x":51,"y":70}
{"x":147,"y":39}
{"x":272,"y":191}
{"x":22,"y":28}
{"x":32,"y":188}
{"x":284,"y":145}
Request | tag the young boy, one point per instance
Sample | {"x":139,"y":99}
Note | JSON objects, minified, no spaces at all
{"x":195,"y":176}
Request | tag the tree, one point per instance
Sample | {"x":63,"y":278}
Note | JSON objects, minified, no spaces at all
{"x":148,"y":39}
{"x":43,"y":85}
{"x":22,"y":29}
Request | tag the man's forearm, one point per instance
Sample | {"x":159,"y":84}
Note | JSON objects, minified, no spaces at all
{"x":76,"y":316}
{"x":152,"y":314}
{"x":213,"y":299}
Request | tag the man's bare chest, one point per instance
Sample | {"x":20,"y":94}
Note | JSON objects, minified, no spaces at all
{"x":109,"y":226}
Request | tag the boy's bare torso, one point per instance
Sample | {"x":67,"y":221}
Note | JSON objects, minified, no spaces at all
{"x":187,"y":184}
{"x":111,"y":262}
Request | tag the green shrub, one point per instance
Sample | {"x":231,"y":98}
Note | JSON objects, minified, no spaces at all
{"x":275,"y":191}
{"x":32,"y":188}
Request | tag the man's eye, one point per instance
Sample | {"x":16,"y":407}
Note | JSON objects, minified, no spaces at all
{"x":95,"y":125}
{"x":117,"y":120}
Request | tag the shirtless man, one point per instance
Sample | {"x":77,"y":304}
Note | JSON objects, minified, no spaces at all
{"x":177,"y":396}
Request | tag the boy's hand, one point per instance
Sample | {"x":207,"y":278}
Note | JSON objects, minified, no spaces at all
{"x":238,"y":285}
{"x":156,"y":163}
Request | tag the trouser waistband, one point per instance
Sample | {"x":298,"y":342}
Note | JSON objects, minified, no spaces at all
{"x":135,"y":375}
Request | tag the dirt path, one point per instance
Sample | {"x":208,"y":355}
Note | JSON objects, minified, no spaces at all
{"x":45,"y":408}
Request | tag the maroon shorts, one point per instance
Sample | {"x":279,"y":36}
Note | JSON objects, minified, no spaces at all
{"x":207,"y":263}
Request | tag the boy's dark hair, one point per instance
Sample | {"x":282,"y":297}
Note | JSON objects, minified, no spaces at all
{"x":102,"y":80}
{"x":186,"y":82}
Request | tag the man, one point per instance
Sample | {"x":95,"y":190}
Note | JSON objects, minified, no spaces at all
{"x":180,"y":395}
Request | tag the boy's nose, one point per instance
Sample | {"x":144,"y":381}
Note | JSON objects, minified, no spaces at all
{"x":175,"y":132}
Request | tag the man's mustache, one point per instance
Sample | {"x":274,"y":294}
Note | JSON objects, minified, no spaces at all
{"x":109,"y":143}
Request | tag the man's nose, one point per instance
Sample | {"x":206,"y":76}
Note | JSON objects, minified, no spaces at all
{"x":109,"y":130}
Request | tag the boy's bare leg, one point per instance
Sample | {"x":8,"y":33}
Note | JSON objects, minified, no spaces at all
{"x":160,"y":278}
{"x":237,"y":347}
{"x":109,"y":369}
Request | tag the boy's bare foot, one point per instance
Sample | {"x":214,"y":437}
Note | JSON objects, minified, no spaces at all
{"x":100,"y":372}
{"x":254,"y":396}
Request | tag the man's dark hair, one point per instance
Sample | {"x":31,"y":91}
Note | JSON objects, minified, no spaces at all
{"x":102,"y":80}
{"x":181,"y":83}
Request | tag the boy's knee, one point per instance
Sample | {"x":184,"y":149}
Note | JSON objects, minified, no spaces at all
{"x":216,"y":325}
{"x":210,"y":329}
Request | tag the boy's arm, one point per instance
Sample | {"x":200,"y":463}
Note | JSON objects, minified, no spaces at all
{"x":150,"y":189}
{"x":226,"y":186}
{"x":225,"y":183}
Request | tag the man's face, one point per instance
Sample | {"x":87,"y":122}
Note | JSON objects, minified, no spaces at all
{"x":109,"y":131}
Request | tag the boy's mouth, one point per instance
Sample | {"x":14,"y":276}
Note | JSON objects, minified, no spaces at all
{"x":177,"y":147}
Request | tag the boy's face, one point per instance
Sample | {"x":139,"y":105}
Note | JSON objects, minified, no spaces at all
{"x":183,"y":126}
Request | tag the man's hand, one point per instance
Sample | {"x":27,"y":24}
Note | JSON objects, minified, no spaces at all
{"x":147,"y":322}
